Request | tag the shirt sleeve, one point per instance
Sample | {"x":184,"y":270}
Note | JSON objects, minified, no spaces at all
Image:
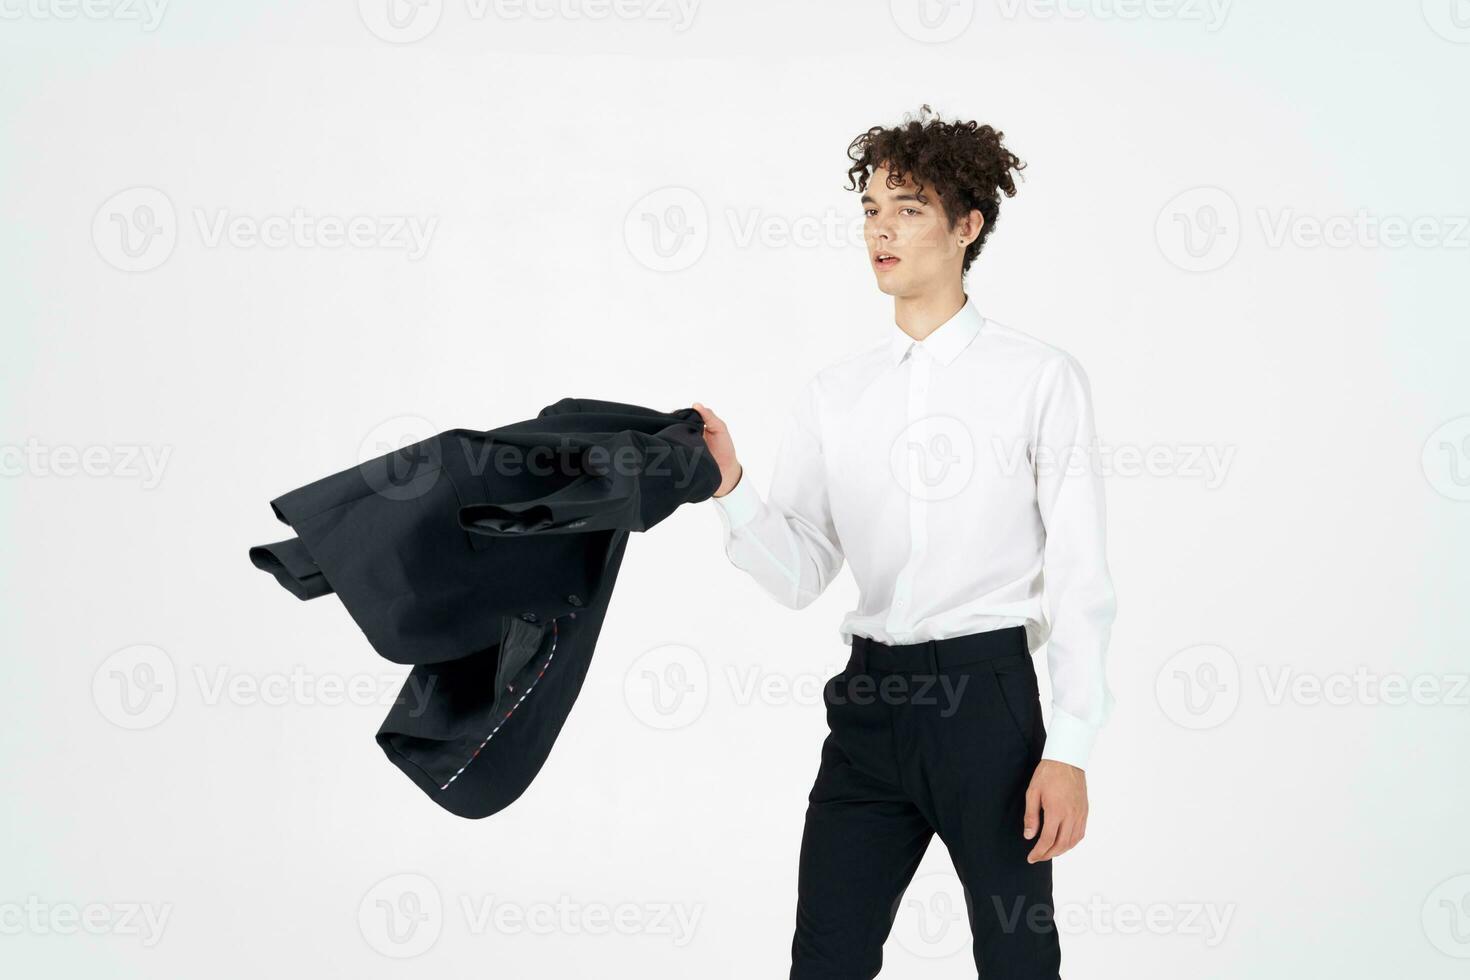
{"x":1077,"y":590}
{"x":788,"y":543}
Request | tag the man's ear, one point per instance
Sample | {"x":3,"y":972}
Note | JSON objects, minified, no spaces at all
{"x":974,"y":221}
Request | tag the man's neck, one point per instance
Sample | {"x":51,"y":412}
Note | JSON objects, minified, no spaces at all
{"x":922,"y":314}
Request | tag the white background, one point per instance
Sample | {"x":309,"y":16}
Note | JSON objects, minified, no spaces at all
{"x":1239,"y":828}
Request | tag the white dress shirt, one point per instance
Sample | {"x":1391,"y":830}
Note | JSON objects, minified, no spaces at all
{"x":960,"y":478}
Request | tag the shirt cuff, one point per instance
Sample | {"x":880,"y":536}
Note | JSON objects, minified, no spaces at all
{"x":738,"y":507}
{"x":1068,"y":739}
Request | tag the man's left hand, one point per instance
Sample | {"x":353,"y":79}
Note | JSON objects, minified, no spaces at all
{"x":1058,"y":792}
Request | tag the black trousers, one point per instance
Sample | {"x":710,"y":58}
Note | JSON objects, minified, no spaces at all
{"x":926,"y":738}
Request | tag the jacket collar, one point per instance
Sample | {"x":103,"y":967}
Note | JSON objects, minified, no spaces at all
{"x":946,"y":342}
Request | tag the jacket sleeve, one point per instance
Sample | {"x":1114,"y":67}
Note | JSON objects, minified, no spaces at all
{"x":788,"y":543}
{"x":628,"y":480}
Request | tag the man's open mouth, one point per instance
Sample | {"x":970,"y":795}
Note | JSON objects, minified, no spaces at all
{"x":885,"y":260}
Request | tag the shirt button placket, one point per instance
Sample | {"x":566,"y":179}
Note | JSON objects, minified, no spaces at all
{"x":900,"y":618}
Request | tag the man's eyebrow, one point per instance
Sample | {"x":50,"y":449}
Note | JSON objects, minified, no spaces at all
{"x":868,"y":198}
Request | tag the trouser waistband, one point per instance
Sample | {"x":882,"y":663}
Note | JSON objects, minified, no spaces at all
{"x":931,"y":656}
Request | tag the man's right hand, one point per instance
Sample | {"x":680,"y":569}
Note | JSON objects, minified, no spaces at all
{"x":721,"y":447}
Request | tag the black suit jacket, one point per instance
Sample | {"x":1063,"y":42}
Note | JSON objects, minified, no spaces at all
{"x":486,"y":560}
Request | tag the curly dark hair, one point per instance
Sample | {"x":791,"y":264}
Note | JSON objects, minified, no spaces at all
{"x":966,"y":162}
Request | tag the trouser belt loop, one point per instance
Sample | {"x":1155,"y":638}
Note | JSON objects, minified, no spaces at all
{"x":931,"y":648}
{"x":860,"y":653}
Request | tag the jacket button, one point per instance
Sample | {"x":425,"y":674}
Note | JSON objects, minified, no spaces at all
{"x":575,"y":600}
{"x":529,"y":617}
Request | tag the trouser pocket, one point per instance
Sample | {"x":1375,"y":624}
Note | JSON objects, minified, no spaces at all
{"x":1016,"y":687}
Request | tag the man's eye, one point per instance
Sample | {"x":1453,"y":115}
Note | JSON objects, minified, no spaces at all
{"x":911,"y":210}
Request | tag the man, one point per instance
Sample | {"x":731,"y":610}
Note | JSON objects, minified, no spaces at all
{"x":954,"y":467}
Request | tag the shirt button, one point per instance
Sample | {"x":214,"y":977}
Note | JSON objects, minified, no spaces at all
{"x":529,"y":617}
{"x":575,"y":600}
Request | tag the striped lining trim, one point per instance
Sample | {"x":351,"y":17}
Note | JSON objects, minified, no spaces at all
{"x":529,"y":688}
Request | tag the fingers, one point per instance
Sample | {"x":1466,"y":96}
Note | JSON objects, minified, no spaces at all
{"x":712,"y":422}
{"x":1032,"y":821}
{"x":1064,"y":841}
{"x":1069,"y":828}
{"x":1047,"y":839}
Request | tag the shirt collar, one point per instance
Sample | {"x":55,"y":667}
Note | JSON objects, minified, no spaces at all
{"x":947,"y":340}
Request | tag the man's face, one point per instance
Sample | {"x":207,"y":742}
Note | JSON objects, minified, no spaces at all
{"x":911,"y":247}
